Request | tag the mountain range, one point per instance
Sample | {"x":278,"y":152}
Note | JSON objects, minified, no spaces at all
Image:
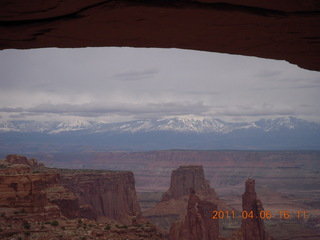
{"x":150,"y":134}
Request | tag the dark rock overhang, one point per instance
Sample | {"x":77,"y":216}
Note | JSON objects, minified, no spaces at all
{"x":284,"y":29}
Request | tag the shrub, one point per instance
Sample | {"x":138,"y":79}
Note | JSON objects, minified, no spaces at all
{"x":63,"y":228}
{"x":26,"y":225}
{"x":27,"y":233}
{"x":55,"y":223}
{"x":108,"y":227}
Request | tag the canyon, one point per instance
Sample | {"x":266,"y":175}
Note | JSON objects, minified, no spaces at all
{"x":285,"y":181}
{"x":100,"y":203}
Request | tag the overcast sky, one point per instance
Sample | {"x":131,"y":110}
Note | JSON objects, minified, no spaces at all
{"x":120,"y":84}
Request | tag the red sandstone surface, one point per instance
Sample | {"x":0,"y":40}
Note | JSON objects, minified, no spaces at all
{"x":35,"y":199}
{"x":284,"y":29}
{"x":252,"y":228}
{"x":198,"y":223}
{"x":175,"y":202}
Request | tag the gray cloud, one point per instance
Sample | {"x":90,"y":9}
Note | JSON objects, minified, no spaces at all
{"x":133,"y":75}
{"x":268,"y":74}
{"x":101,"y":109}
{"x":113,"y":83}
{"x":262,"y":111}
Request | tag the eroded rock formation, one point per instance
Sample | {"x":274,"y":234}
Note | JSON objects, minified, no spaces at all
{"x":47,"y":193}
{"x":174,"y":204}
{"x":27,"y":193}
{"x":111,"y":195}
{"x":184,"y":178}
{"x":252,"y":228}
{"x":198,"y":223}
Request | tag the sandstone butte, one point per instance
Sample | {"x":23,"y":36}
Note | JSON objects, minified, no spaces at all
{"x":251,"y":228}
{"x":199,"y":225}
{"x":31,"y":194}
{"x":188,"y":204}
{"x":283,"y":29}
{"x":174,"y":202}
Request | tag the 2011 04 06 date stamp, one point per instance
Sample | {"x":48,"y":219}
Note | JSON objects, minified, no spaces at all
{"x":261,"y":214}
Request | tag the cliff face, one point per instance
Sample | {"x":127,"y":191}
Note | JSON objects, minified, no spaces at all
{"x":27,"y":193}
{"x":184,"y":178}
{"x":177,"y":200}
{"x":198,"y":223}
{"x":110,"y":195}
{"x":251,"y":228}
{"x":27,"y":185}
{"x":46,"y":203}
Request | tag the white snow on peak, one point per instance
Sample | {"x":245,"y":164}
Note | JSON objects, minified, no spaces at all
{"x":177,"y":124}
{"x":71,"y":125}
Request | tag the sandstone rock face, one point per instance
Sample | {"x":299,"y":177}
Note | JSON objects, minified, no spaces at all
{"x":174,"y":204}
{"x":252,"y":228}
{"x":27,"y":193}
{"x":111,"y":195}
{"x":25,"y":184}
{"x":198,"y":224}
{"x":246,"y":27}
{"x":67,"y":202}
{"x":184,"y":178}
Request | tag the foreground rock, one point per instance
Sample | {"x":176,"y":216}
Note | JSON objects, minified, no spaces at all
{"x":246,"y":27}
{"x":32,"y":195}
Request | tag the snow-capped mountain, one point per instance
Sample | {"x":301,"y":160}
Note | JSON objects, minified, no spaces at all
{"x":187,"y":125}
{"x":179,"y":133}
{"x":75,"y":125}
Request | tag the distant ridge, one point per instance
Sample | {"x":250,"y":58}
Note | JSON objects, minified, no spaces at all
{"x":197,"y":125}
{"x":286,"y":133}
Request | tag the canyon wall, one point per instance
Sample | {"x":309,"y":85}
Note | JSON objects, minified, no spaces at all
{"x":41,"y":192}
{"x":111,"y":195}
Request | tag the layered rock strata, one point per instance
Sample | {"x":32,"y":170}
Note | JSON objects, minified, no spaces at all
{"x":174,"y":204}
{"x":184,"y":178}
{"x":42,"y":193}
{"x":252,"y":228}
{"x":198,"y":223}
{"x":110,"y":195}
